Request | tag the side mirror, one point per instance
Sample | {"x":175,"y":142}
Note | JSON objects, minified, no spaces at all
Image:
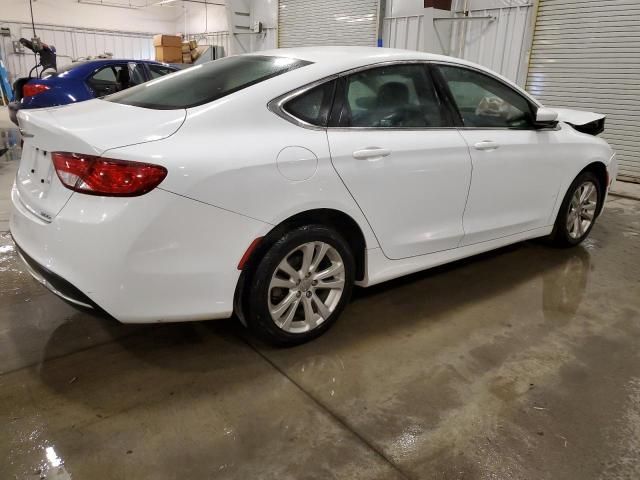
{"x":545,"y":117}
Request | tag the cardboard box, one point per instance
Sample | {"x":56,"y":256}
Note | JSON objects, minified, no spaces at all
{"x":193,"y":44}
{"x":186,"y":48}
{"x":186,"y":58}
{"x":167,"y":41}
{"x":169,"y":54}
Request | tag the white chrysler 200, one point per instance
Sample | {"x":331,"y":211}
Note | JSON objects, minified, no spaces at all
{"x":269,"y":184}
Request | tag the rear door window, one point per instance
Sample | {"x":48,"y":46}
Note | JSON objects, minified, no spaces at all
{"x":136,"y":75}
{"x":205,"y":83}
{"x":157,"y":71}
{"x":105,"y":81}
{"x":394,"y":96}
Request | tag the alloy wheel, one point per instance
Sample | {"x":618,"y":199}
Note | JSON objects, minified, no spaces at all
{"x":306,"y":287}
{"x":582,"y":209}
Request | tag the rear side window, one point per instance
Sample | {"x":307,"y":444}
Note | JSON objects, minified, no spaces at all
{"x":313,"y":106}
{"x":205,"y":83}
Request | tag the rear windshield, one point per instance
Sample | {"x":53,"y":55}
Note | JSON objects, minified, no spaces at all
{"x":63,"y":69}
{"x":205,"y":83}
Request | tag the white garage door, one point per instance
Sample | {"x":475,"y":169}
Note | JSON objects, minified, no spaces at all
{"x":327,"y":22}
{"x":586,"y":55}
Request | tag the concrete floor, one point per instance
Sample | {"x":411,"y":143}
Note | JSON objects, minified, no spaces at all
{"x":4,"y":118}
{"x":519,"y":364}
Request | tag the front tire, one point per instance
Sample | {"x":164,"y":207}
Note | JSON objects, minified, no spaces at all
{"x":578,"y":211}
{"x":300,"y":286}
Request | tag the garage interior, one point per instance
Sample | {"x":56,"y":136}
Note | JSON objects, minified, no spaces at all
{"x":521,"y":363}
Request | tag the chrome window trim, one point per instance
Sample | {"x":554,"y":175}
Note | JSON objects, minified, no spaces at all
{"x":276,"y":105}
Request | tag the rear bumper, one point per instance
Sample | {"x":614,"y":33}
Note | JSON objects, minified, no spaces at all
{"x":155,"y":258}
{"x":55,"y":283}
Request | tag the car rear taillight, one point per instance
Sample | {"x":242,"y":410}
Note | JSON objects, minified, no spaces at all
{"x":31,"y":89}
{"x":106,"y":176}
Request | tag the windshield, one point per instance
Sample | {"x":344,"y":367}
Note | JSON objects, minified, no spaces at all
{"x":205,"y":83}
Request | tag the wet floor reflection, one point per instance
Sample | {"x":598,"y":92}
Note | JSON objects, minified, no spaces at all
{"x":563,"y":288}
{"x":9,"y":144}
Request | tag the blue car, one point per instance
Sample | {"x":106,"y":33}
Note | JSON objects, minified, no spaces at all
{"x":83,"y":81}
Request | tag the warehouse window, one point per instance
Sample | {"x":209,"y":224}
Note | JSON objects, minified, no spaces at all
{"x":205,"y":83}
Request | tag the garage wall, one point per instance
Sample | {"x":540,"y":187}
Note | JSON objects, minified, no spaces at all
{"x":70,"y":13}
{"x":586,"y":55}
{"x":78,"y":30}
{"x":403,"y":31}
{"x":72,"y":43}
{"x":498,"y":39}
{"x":497,"y":36}
{"x":195,"y":18}
{"x":241,"y":15}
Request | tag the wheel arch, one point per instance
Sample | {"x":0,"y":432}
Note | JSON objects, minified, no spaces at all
{"x":599,"y":169}
{"x":343,"y":223}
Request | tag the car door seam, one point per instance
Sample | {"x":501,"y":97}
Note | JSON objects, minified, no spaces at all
{"x":466,"y":202}
{"x":326,"y":133}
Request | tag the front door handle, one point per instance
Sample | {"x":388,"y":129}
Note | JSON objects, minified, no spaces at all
{"x":371,"y":153}
{"x":486,"y":145}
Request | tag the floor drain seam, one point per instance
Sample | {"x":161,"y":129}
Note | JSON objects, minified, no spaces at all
{"x":329,"y":412}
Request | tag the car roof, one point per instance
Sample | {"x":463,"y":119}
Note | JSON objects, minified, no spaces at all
{"x":80,"y":69}
{"x":354,"y":56}
{"x":97,"y":61}
{"x":335,"y":59}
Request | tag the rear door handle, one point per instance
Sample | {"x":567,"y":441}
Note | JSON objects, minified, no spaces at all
{"x":486,"y":145}
{"x":371,"y":153}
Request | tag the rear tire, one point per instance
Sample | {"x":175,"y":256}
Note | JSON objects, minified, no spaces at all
{"x":300,"y":286}
{"x":578,"y":211}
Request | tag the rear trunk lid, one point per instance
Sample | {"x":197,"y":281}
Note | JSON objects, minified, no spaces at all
{"x":89,"y":128}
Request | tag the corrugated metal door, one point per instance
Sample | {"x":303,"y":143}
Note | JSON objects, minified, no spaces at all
{"x":328,"y":22}
{"x":586,"y":55}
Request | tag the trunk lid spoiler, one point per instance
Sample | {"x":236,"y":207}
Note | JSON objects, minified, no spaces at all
{"x":98,"y":125}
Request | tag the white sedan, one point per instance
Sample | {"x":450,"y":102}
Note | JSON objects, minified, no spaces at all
{"x":269,"y":184}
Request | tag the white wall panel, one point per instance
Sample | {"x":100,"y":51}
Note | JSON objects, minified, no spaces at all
{"x":328,"y":22}
{"x":220,"y":40}
{"x":585,"y":55}
{"x":498,"y":42}
{"x":71,"y":13}
{"x":404,"y":32}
